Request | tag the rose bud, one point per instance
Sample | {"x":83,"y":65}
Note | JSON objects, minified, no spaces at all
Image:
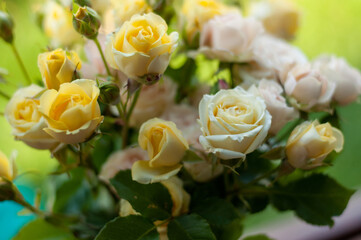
{"x":7,"y":170}
{"x":86,"y":21}
{"x":109,"y":93}
{"x":310,"y":143}
{"x":6,"y":27}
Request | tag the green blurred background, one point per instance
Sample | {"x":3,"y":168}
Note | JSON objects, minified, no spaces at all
{"x":328,"y":26}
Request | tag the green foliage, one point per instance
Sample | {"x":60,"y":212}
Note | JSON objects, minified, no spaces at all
{"x":315,"y":199}
{"x":190,"y":227}
{"x":151,"y":200}
{"x":41,"y":230}
{"x":129,"y":228}
{"x":223,"y":217}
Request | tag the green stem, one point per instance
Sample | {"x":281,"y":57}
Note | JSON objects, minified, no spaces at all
{"x":125,"y":135}
{"x":21,"y":64}
{"x":231,"y":74}
{"x":120,"y":111}
{"x":102,"y":55}
{"x":265,"y":175}
{"x":134,"y":102}
{"x":4,"y":95}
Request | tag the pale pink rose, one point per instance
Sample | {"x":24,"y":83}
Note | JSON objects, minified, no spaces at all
{"x":308,"y":89}
{"x":248,"y":74}
{"x":153,"y":101}
{"x":203,"y":171}
{"x":122,"y":160}
{"x":277,"y":55}
{"x":185,"y":117}
{"x":346,"y":78}
{"x":230,"y":38}
{"x":276,"y":104}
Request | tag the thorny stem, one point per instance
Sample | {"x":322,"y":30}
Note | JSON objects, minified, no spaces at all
{"x":102,"y":55}
{"x":21,"y":64}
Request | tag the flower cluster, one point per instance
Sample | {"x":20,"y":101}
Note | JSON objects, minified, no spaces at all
{"x":153,"y":138}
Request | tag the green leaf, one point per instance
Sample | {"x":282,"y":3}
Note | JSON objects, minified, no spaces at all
{"x":216,"y":211}
{"x":315,"y":199}
{"x":191,"y":156}
{"x":232,"y":231}
{"x":274,"y":154}
{"x":41,"y":230}
{"x":258,"y":237}
{"x":190,"y":227}
{"x":151,"y":200}
{"x":132,"y":227}
{"x":102,"y":149}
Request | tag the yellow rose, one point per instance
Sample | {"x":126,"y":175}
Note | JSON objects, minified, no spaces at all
{"x":73,"y":112}
{"x":58,"y":25}
{"x":6,"y":168}
{"x":58,"y":67}
{"x":25,"y":119}
{"x":199,"y":12}
{"x":125,"y":9}
{"x":142,"y":47}
{"x":310,"y":143}
{"x":165,"y":145}
{"x":280,"y":17}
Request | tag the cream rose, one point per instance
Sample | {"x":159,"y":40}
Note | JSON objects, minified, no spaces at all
{"x":7,"y":170}
{"x":58,"y":24}
{"x":310,"y":143}
{"x":57,"y":67}
{"x":230,"y":38}
{"x":121,"y":160}
{"x":72,"y":113}
{"x":233,"y":122}
{"x":198,"y":12}
{"x":203,"y":171}
{"x":308,"y":89}
{"x":25,"y":119}
{"x":346,"y":78}
{"x":165,"y":145}
{"x":281,"y":113}
{"x":141,"y":47}
{"x":279,"y":17}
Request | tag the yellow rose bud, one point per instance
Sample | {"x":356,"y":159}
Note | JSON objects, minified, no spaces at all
{"x":141,"y":48}
{"x":166,"y":147}
{"x":6,"y":169}
{"x":72,"y":113}
{"x":58,"y":67}
{"x":199,"y":12}
{"x":25,"y":119}
{"x":58,"y":25}
{"x":310,"y":143}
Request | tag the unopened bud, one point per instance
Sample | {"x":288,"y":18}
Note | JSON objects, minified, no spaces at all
{"x":86,"y":21}
{"x":6,"y":27}
{"x":109,"y":93}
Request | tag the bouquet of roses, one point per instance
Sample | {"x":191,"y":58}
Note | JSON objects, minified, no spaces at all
{"x":176,"y":119}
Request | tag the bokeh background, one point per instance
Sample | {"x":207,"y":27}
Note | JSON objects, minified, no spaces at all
{"x":328,"y":26}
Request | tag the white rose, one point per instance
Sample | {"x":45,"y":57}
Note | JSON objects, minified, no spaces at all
{"x":121,"y":160}
{"x":25,"y":119}
{"x":281,"y":113}
{"x":277,"y":55}
{"x":229,"y":38}
{"x":310,"y":143}
{"x":346,"y":78}
{"x":308,"y":88}
{"x":233,"y":122}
